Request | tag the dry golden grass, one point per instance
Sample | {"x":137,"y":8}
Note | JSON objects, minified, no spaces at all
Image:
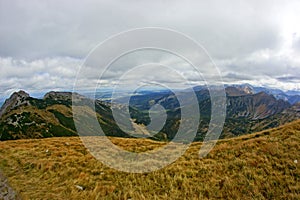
{"x":257,"y":166}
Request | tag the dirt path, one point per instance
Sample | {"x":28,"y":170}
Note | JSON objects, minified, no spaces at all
{"x":6,"y":192}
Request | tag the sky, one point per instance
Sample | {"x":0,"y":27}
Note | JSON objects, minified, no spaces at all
{"x":44,"y":43}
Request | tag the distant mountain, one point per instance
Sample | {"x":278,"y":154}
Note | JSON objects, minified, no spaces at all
{"x":255,"y":106}
{"x":239,"y":103}
{"x":22,"y":116}
{"x":294,"y":99}
{"x":292,"y":92}
{"x":246,"y":113}
{"x":242,"y":88}
{"x":237,"y":91}
{"x":231,"y":90}
{"x":290,"y":96}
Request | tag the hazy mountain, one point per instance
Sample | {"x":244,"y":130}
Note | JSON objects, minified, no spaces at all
{"x":291,"y":96}
{"x":294,"y":99}
{"x":231,"y":90}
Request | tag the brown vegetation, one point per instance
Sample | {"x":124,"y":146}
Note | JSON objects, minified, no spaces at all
{"x":262,"y":165}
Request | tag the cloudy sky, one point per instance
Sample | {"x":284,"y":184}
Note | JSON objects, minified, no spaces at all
{"x":43,"y":43}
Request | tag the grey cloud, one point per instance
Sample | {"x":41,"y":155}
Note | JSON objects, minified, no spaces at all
{"x":37,"y":75}
{"x":44,"y":42}
{"x":69,"y":28}
{"x":232,"y":76}
{"x":290,"y":78}
{"x":296,"y":44}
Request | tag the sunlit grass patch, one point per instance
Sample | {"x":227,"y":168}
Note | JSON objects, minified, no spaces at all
{"x":256,"y":166}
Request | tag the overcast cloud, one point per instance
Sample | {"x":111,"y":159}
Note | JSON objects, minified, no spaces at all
{"x":43,"y":43}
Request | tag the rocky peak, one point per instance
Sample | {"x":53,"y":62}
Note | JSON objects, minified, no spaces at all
{"x":246,"y":88}
{"x":239,"y":90}
{"x":234,"y":91}
{"x":62,"y":96}
{"x":15,"y":100}
{"x":58,"y":95}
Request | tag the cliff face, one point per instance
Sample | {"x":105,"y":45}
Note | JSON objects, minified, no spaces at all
{"x":257,"y":106}
{"x":15,"y":100}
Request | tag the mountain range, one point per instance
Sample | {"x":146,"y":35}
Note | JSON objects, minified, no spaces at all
{"x":249,"y":109}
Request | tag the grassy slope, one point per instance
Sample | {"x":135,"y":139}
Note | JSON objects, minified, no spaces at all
{"x":259,"y":166}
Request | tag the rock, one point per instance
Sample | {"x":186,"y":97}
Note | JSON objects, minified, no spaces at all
{"x":15,"y":100}
{"x":62,"y":96}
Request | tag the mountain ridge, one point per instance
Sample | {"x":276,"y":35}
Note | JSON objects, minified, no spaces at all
{"x":23,"y":116}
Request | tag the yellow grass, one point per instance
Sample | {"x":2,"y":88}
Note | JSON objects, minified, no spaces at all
{"x":257,"y":166}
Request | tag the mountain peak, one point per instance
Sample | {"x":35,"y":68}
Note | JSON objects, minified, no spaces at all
{"x":58,"y":95}
{"x":237,"y":91}
{"x":62,"y":96}
{"x":21,"y":93}
{"x":15,"y":100}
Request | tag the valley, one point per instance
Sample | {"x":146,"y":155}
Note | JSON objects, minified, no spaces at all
{"x":22,"y":116}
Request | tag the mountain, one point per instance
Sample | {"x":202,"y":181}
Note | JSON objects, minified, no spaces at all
{"x":25,"y":117}
{"x":243,"y":89}
{"x":294,"y":99}
{"x":16,"y":99}
{"x":290,"y":113}
{"x":239,"y":103}
{"x":255,"y":106}
{"x":291,"y":96}
{"x":246,"y":113}
{"x":22,"y":116}
{"x":234,"y":91}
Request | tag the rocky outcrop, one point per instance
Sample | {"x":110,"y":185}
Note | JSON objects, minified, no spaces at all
{"x":63,"y":96}
{"x":15,"y":100}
